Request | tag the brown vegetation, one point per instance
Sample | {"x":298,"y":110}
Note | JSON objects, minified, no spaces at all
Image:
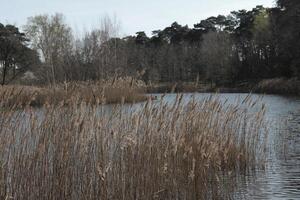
{"x":182,"y":87}
{"x":115,"y":90}
{"x":159,"y":151}
{"x":279,"y":86}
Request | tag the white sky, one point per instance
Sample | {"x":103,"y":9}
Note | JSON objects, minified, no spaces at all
{"x":134,"y":15}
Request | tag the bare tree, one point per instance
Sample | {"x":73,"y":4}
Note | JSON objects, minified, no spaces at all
{"x":52,"y":37}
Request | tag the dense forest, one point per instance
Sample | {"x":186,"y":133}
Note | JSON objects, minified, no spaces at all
{"x":243,"y":46}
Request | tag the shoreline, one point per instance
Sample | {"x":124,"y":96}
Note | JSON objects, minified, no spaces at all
{"x":278,"y":86}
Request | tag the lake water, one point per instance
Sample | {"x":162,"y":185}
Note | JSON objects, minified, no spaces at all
{"x":281,"y":178}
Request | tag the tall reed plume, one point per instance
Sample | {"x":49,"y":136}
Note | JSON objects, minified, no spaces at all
{"x":158,"y":151}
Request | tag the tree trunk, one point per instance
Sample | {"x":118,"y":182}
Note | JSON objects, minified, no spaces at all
{"x":5,"y":67}
{"x":53,"y":74}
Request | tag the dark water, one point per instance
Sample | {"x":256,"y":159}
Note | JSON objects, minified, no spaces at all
{"x":281,"y":178}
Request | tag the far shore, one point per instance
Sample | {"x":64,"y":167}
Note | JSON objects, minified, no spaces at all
{"x":280,"y":86}
{"x":129,"y":90}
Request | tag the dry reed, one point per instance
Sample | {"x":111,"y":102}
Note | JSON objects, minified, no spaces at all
{"x":159,"y":151}
{"x":279,"y":86}
{"x":109,"y":91}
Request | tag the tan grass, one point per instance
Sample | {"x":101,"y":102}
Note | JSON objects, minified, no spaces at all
{"x":279,"y":86}
{"x":160,"y":151}
{"x":108,"y":91}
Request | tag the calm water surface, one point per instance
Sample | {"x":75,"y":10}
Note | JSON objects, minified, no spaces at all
{"x":281,"y":179}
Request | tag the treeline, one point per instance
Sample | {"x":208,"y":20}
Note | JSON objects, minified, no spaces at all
{"x":244,"y":45}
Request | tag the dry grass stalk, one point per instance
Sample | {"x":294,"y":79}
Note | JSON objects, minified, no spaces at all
{"x":106,"y":91}
{"x":160,"y":151}
{"x":279,"y":86}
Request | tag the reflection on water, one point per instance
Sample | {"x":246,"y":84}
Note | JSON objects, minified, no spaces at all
{"x":281,"y":179}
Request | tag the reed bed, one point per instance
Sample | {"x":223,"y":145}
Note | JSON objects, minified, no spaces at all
{"x":279,"y":86}
{"x":108,"y":91}
{"x":158,"y":151}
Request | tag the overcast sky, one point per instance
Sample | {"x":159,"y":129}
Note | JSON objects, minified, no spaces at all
{"x":135,"y":15}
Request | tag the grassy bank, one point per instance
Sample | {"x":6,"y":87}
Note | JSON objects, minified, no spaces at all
{"x":110,"y":91}
{"x":191,"y":87}
{"x":127,"y":90}
{"x":175,"y":87}
{"x":279,"y":86}
{"x":160,"y":151}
